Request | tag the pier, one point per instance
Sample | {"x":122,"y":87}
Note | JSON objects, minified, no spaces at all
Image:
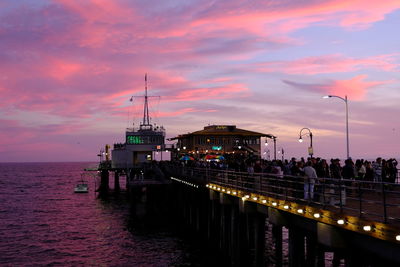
{"x":358,"y":222}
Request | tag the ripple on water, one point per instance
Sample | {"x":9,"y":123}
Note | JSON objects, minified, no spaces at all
{"x":45,"y":223}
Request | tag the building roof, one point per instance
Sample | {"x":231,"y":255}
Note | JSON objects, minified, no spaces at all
{"x":223,"y":130}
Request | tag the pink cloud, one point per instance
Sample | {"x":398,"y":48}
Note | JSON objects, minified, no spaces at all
{"x":61,"y":69}
{"x":95,"y":10}
{"x":355,"y":88}
{"x":287,"y":17}
{"x":223,"y":92}
{"x":331,"y":64}
{"x":83,"y":59}
{"x":16,"y":136}
{"x":176,"y":113}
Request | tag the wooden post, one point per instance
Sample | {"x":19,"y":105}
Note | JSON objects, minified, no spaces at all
{"x":117,"y":188}
{"x":259,"y":239}
{"x":104,"y":182}
{"x":277,"y":237}
{"x":311,"y":255}
{"x":296,"y":247}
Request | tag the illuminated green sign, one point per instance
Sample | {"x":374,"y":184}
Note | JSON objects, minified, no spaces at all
{"x":134,"y":140}
{"x":216,"y":147}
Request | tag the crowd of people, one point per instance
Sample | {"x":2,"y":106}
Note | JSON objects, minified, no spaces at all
{"x":379,"y":170}
{"x":309,"y":170}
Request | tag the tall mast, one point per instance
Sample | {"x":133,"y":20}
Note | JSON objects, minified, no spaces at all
{"x":146,"y":119}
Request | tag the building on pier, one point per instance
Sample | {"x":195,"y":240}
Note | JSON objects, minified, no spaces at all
{"x":221,"y":139}
{"x":139,"y":143}
{"x":138,"y":147}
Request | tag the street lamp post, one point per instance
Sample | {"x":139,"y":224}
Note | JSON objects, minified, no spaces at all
{"x":347,"y":119}
{"x":282,"y":152}
{"x":311,"y":151}
{"x":274,"y":139}
{"x":267,"y":154}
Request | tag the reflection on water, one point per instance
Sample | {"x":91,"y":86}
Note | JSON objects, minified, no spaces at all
{"x":43,"y":222}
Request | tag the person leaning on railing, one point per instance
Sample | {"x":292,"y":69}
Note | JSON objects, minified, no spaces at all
{"x":296,"y":180}
{"x":336,"y":169}
{"x":392,"y":170}
{"x":309,"y":181}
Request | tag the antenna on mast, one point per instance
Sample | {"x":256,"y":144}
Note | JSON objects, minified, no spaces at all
{"x":146,"y":119}
{"x":145,"y":124}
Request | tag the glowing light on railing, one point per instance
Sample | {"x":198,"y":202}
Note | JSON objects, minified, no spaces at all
{"x":244,"y":198}
{"x":214,"y":187}
{"x":274,"y":204}
{"x":367,"y":228}
{"x":317,"y":215}
{"x":264,"y":201}
{"x":255,"y":198}
{"x":340,"y":221}
{"x":286,"y":207}
{"x":247,"y":196}
{"x":218,"y":188}
{"x":398,"y":237}
{"x":300,"y":211}
{"x":229,"y":191}
{"x":234,"y":192}
{"x":223,"y":190}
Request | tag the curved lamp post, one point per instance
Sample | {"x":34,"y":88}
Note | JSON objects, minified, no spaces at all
{"x":301,"y":134}
{"x":347,"y":119}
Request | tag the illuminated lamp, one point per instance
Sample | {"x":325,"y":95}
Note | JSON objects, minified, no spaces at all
{"x":367,"y":228}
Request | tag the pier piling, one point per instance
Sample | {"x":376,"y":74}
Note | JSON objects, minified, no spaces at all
{"x":117,"y":187}
{"x":104,"y":180}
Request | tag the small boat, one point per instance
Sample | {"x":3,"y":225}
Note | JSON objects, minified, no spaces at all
{"x":82,"y":187}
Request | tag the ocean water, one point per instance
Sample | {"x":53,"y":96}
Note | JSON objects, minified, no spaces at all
{"x":43,"y":222}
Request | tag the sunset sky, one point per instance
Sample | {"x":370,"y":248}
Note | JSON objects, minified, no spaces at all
{"x":69,"y":67}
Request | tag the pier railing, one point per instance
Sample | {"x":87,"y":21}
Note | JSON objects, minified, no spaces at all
{"x":376,"y":201}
